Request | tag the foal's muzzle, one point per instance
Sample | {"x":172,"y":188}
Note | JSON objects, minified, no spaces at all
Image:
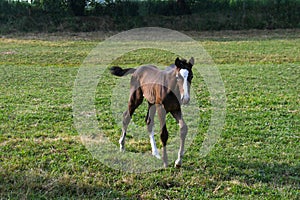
{"x":185,"y":100}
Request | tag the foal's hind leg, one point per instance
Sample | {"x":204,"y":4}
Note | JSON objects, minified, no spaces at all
{"x":150,"y":127}
{"x":126,"y":120}
{"x":136,"y":98}
{"x":183,"y":132}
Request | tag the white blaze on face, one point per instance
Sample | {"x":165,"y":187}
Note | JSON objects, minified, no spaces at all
{"x":185,"y":97}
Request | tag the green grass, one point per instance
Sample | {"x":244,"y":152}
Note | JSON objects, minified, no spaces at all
{"x":257,"y":156}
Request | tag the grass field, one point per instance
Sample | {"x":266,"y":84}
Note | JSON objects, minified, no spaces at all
{"x":257,"y":156}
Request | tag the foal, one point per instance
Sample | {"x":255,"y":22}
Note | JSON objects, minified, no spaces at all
{"x":165,"y":91}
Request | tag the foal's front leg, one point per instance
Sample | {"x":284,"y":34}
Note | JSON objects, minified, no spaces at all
{"x":164,"y":132}
{"x":150,"y":127}
{"x":183,"y":132}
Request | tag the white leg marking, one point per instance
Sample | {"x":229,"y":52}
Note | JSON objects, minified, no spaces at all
{"x":122,"y":143}
{"x":153,"y":145}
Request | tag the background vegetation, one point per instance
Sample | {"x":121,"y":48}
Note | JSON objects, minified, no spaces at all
{"x":90,"y":15}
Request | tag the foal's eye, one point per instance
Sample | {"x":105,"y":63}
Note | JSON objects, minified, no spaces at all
{"x":178,"y":78}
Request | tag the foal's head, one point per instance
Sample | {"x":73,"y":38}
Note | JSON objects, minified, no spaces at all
{"x":184,"y":77}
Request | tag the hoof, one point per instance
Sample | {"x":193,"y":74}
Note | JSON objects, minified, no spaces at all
{"x":122,"y":149}
{"x":156,"y":155}
{"x":177,"y":164}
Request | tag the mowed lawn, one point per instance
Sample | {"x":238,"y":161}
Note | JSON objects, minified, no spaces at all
{"x":256,"y":157}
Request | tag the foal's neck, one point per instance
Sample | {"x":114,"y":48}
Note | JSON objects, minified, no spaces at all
{"x":171,"y":80}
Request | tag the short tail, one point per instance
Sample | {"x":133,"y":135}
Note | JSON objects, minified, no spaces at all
{"x":118,"y":71}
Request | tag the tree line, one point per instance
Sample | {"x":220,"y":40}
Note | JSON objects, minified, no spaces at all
{"x":92,"y":15}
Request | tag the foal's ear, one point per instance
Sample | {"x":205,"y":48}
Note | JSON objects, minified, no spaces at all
{"x":191,"y":62}
{"x":178,"y":63}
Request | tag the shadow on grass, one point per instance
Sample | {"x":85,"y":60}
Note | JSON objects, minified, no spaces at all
{"x":281,"y":174}
{"x":31,"y":185}
{"x":254,"y":172}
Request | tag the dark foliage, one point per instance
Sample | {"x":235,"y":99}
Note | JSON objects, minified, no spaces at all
{"x":77,"y":6}
{"x":88,"y":15}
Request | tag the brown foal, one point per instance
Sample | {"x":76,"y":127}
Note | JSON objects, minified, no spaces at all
{"x":165,"y":91}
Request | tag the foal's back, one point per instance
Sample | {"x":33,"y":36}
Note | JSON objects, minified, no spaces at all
{"x":149,"y":74}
